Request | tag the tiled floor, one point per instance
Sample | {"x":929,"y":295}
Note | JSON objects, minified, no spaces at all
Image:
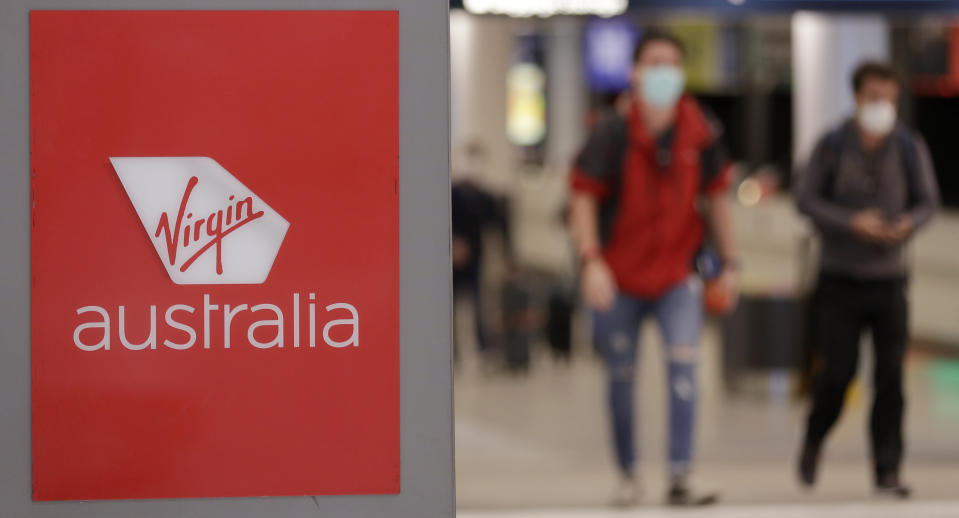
{"x":536,"y":445}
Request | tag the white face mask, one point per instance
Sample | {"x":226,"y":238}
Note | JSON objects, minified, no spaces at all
{"x":877,"y":117}
{"x":661,"y":85}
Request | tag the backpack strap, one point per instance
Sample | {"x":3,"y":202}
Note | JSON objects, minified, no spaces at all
{"x":910,"y":164}
{"x":616,"y":150}
{"x":831,"y":147}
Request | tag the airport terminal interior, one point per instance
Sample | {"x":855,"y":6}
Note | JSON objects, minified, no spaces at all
{"x":531,"y":427}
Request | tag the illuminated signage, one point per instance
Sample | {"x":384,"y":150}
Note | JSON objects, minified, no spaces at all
{"x":526,"y":8}
{"x":526,"y":104}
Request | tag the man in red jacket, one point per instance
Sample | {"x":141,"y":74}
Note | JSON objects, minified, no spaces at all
{"x":643,"y":187}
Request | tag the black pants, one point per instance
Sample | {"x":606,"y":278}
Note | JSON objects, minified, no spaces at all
{"x":847,"y":308}
{"x":469,"y":282}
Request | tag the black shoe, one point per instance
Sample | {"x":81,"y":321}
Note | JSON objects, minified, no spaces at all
{"x":680,"y":495}
{"x":889,"y":486}
{"x":808,"y":464}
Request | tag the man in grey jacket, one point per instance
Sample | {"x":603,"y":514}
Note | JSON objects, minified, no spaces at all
{"x":868,"y":187}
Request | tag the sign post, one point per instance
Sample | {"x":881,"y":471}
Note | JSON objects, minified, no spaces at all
{"x":231,"y":225}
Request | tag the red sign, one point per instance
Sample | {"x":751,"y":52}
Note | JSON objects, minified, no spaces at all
{"x":214,"y":253}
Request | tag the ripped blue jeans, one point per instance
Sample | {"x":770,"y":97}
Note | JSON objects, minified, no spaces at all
{"x":679,"y":314}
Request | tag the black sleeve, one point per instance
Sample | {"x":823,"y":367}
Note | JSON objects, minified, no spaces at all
{"x":602,"y":154}
{"x":715,"y":155}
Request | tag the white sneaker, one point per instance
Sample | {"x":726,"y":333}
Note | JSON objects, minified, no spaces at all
{"x":626,"y":493}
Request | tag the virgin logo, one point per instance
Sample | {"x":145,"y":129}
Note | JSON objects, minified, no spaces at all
{"x":206,"y":226}
{"x":217,"y":227}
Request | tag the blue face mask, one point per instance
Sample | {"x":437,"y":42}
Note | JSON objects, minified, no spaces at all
{"x":661,"y":85}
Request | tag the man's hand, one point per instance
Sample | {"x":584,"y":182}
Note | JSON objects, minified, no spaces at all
{"x":869,"y":225}
{"x":598,"y":285}
{"x":900,"y":229}
{"x":729,"y":281}
{"x":722,"y":293}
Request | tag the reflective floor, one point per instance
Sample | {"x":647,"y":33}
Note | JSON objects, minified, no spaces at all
{"x":537,"y":445}
{"x":919,"y":509}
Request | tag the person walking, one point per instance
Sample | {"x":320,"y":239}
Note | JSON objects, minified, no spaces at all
{"x":644,"y":187}
{"x":473,"y":209}
{"x":868,"y":187}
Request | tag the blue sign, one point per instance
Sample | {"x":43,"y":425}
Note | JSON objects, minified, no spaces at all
{"x":609,"y":53}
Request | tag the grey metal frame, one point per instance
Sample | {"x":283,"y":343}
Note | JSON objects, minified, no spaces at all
{"x":425,"y":314}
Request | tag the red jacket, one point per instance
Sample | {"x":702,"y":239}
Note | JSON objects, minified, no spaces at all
{"x":649,"y":192}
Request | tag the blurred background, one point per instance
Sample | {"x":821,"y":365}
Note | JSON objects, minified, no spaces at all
{"x":529,"y":77}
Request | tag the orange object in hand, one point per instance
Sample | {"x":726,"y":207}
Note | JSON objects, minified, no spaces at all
{"x":719,"y":300}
